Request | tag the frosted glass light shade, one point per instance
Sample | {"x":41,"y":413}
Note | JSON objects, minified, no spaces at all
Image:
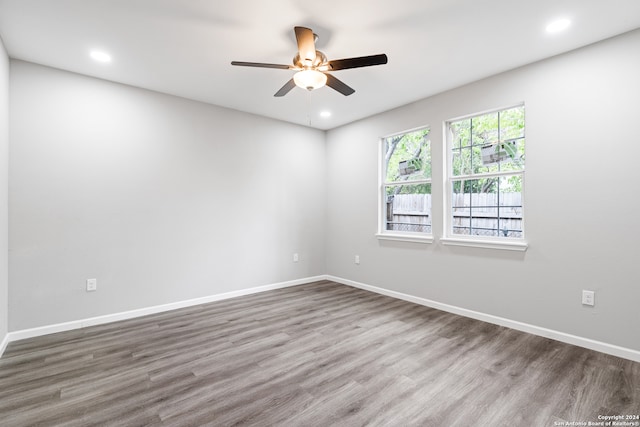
{"x":310,"y":79}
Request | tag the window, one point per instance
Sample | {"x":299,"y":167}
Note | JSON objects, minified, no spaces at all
{"x":405,"y":207}
{"x":485,"y":176}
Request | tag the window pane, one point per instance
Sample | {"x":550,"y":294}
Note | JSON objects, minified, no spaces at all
{"x":408,"y":156}
{"x":499,"y":156}
{"x":461,"y":133}
{"x":488,"y":207}
{"x":512,"y":123}
{"x":484,"y":129}
{"x":408,"y":208}
{"x":515,"y":155}
{"x":461,"y":162}
{"x":479,"y":163}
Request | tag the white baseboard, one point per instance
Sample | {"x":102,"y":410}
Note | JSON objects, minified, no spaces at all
{"x":99,"y":320}
{"x":602,"y":347}
{"x":3,"y":344}
{"x":524,"y":327}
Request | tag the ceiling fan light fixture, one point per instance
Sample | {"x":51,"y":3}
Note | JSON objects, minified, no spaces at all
{"x":310,"y":79}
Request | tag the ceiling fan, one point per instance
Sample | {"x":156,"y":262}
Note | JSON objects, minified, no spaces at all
{"x":313,"y":67}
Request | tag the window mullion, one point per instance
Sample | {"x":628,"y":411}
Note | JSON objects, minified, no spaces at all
{"x":486,"y":175}
{"x":417,"y":181}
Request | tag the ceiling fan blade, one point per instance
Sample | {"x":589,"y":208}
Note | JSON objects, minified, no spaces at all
{"x":262,"y":65}
{"x":338,"y":85}
{"x":306,"y":45}
{"x":286,"y":88}
{"x":361,"y":61}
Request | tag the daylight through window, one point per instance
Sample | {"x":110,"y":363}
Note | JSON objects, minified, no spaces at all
{"x":486,"y":175}
{"x":406,"y":183}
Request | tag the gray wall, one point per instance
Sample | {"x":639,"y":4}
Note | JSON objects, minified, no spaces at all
{"x":582,"y":202}
{"x":163,"y":199}
{"x":160,"y":198}
{"x":4,"y":175}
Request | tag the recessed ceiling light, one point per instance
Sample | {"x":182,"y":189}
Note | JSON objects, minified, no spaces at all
{"x":100,"y":56}
{"x":325,"y":114}
{"x":558,"y":25}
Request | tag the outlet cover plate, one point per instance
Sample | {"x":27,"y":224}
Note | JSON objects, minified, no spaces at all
{"x":588,"y":297}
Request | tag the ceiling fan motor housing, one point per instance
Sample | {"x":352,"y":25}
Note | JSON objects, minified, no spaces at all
{"x":319,"y":60}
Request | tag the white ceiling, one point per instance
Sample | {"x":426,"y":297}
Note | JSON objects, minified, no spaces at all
{"x":184,"y":47}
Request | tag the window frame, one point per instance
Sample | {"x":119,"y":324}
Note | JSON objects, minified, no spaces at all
{"x":394,"y":235}
{"x":489,"y":242}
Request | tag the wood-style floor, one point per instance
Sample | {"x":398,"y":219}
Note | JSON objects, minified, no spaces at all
{"x":321,"y":354}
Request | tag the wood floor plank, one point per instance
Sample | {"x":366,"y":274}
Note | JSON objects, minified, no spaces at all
{"x":320,"y":354}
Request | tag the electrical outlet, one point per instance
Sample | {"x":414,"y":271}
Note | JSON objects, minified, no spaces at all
{"x":588,"y":297}
{"x":296,"y":258}
{"x":92,"y":285}
{"x":357,"y":259}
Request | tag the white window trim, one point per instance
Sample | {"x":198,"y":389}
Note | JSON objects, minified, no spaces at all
{"x":509,"y":245}
{"x":399,"y":236}
{"x":449,"y":239}
{"x":406,"y":237}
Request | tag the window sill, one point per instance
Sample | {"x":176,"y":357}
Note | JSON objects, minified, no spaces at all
{"x":399,"y":237}
{"x":511,"y":245}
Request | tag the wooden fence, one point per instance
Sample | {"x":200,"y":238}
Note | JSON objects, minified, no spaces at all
{"x":409,"y":212}
{"x":477,"y":214}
